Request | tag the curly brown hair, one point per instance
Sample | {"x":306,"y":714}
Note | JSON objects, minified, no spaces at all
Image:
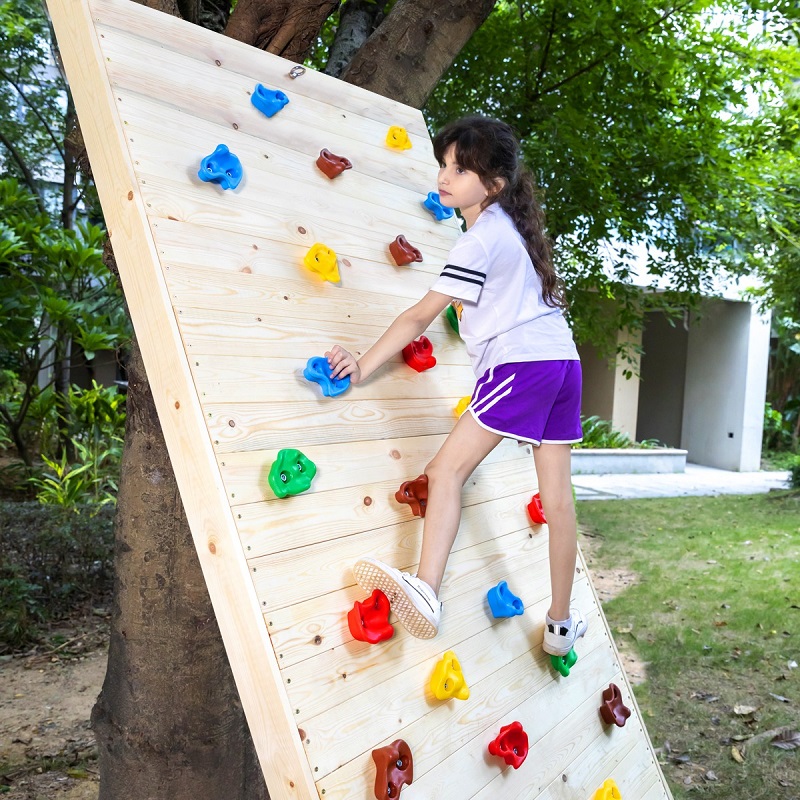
{"x":489,"y":148}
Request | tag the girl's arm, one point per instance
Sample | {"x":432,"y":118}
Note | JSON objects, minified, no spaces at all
{"x":412,"y":323}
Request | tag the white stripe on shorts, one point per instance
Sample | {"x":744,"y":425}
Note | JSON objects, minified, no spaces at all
{"x":491,"y":394}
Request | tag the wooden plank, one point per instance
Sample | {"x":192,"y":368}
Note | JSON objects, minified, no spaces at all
{"x":338,"y":734}
{"x":315,"y":517}
{"x":252,"y":660}
{"x":272,"y":251}
{"x":293,"y":576}
{"x":224,"y":332}
{"x":470,"y":630}
{"x":249,"y":379}
{"x":250,"y":426}
{"x":283,"y":171}
{"x":401,"y":459}
{"x":449,"y":743}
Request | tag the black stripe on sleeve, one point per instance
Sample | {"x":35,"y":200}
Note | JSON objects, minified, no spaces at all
{"x":462,"y":274}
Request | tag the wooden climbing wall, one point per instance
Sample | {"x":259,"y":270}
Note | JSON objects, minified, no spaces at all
{"x":226,"y":317}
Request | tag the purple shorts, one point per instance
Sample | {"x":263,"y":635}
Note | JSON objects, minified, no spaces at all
{"x":531,"y":401}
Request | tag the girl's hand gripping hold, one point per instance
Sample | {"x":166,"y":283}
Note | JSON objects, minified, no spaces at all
{"x":343,"y":363}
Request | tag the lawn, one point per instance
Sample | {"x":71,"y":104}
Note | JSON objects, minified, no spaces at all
{"x":715,"y":615}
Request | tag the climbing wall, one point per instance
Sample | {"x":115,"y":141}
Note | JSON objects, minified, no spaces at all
{"x":227,"y":316}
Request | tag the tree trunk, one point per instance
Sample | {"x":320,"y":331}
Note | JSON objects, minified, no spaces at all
{"x":168,"y":720}
{"x":357,"y":21}
{"x":415,"y":44}
{"x":286,"y":28}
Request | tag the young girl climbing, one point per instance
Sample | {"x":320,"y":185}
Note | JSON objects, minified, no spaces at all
{"x":500,"y":277}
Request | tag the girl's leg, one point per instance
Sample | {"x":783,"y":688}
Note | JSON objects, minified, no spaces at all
{"x":466,"y":446}
{"x":555,"y":488}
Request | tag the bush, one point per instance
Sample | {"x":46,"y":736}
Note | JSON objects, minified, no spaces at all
{"x":794,"y":473}
{"x":598,"y":433}
{"x":52,"y":562}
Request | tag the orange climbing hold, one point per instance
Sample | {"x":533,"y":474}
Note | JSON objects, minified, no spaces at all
{"x":414,"y":494}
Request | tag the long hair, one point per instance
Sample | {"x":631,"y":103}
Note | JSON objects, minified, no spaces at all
{"x":489,"y":148}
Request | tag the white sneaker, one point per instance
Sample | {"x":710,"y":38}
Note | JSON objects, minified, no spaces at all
{"x":560,"y":639}
{"x":411,"y":599}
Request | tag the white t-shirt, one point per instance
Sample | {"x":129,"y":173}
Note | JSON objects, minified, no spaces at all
{"x":503,"y":318}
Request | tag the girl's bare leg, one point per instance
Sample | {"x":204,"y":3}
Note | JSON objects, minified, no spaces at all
{"x":466,"y":446}
{"x":555,"y":488}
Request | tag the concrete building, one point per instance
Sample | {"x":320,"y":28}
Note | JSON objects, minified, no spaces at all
{"x":701,"y":385}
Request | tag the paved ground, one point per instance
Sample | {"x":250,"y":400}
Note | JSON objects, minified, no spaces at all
{"x":696,"y":480}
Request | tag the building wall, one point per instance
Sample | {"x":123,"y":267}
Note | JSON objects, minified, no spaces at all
{"x":726,"y":372}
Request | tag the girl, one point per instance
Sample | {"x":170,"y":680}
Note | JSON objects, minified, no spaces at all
{"x":500,"y":277}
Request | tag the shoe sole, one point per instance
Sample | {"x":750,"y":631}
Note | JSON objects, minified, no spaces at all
{"x":370,"y":576}
{"x":556,"y":651}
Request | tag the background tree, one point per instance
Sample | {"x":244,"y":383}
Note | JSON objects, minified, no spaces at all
{"x":636,"y":118}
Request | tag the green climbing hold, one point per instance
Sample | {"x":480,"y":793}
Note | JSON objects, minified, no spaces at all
{"x":452,"y":317}
{"x":291,"y":473}
{"x":563,"y":664}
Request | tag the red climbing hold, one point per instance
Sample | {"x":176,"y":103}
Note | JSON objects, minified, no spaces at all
{"x":511,"y":745}
{"x":331,"y":164}
{"x":535,"y":510}
{"x":419,"y":354}
{"x":403,"y":252}
{"x":415,"y":494}
{"x":369,"y":620}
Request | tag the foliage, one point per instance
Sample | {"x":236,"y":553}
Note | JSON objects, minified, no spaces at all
{"x":54,"y":291}
{"x":52,"y":561}
{"x":794,"y":473}
{"x":782,"y":416}
{"x":657,"y":133}
{"x":599,"y":433}
{"x":712,"y":614}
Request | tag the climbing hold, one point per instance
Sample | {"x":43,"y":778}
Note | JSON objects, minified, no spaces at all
{"x":268,"y":101}
{"x":419,"y":354}
{"x":612,"y":710}
{"x":322,"y":260}
{"x":563,"y":664}
{"x":397,"y":138}
{"x":404,"y":253}
{"x":318,"y":370}
{"x":448,"y":680}
{"x":535,"y":510}
{"x":608,"y":791}
{"x":369,"y":620}
{"x":331,"y":164}
{"x":461,"y":405}
{"x":394,"y":767}
{"x":291,"y":473}
{"x":452,"y":317}
{"x":433,"y":204}
{"x":511,"y":745}
{"x":415,"y":494}
{"x":503,"y":602}
{"x":221,"y":167}
{"x":296,"y":71}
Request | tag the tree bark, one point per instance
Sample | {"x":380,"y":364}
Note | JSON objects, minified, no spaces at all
{"x":411,"y":49}
{"x":357,"y":21}
{"x":168,"y":720}
{"x":286,"y":28}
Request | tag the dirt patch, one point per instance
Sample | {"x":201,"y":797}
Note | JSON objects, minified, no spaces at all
{"x":47,"y":749}
{"x":608,"y":583}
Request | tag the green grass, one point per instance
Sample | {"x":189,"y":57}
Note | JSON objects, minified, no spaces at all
{"x":716,"y":617}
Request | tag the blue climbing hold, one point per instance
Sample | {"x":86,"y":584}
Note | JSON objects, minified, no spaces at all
{"x":221,"y":167}
{"x":503,"y":602}
{"x":268,"y":101}
{"x":319,"y":371}
{"x":432,"y":203}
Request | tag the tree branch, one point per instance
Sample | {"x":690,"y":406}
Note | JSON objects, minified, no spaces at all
{"x":422,"y":38}
{"x":26,"y":173}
